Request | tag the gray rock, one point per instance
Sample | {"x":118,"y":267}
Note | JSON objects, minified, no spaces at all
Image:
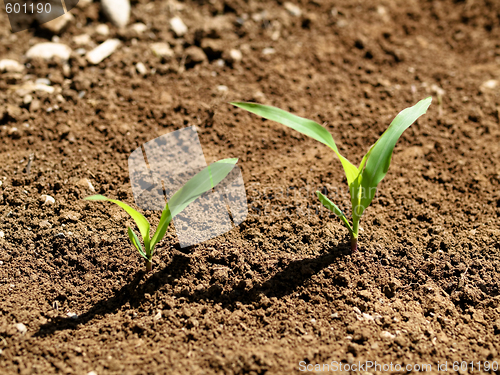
{"x":117,"y":11}
{"x":48,"y":51}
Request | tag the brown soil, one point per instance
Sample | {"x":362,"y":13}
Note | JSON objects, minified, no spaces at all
{"x":282,"y":287}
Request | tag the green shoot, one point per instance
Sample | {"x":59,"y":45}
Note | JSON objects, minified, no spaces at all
{"x":202,"y":182}
{"x":362,"y":180}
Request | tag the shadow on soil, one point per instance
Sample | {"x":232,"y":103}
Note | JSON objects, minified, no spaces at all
{"x":278,"y":285}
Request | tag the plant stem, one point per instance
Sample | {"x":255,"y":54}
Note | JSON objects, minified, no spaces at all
{"x":149,"y":266}
{"x":354,"y":245}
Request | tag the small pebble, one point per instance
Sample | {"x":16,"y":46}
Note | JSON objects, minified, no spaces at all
{"x":72,"y":315}
{"x":102,"y":51}
{"x":162,"y":50}
{"x":222,"y":88}
{"x":48,"y":51}
{"x":47,"y":199}
{"x":82,"y":40}
{"x":42,"y":81}
{"x":86,"y":184}
{"x":117,"y":11}
{"x":2,"y":234}
{"x":11,"y":66}
{"x":102,"y":29}
{"x":293,"y":9}
{"x":21,"y":327}
{"x":236,"y":55}
{"x":27,"y":99}
{"x":386,"y":335}
{"x":141,"y":68}
{"x":139,"y":27}
{"x":268,"y":51}
{"x":489,"y":84}
{"x":178,"y":26}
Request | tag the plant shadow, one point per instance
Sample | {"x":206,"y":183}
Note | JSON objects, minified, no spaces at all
{"x":282,"y":283}
{"x":132,"y":293}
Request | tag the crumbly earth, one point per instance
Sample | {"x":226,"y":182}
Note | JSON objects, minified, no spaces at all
{"x":280,"y":291}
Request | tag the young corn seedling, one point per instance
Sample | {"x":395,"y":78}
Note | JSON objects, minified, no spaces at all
{"x":362,"y":180}
{"x":199,"y":184}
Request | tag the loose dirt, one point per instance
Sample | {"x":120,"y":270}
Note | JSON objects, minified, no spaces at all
{"x":281,"y":289}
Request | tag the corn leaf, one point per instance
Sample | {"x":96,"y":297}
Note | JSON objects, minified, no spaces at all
{"x":165,"y":219}
{"x":202,"y":182}
{"x":135,"y":241}
{"x":139,"y":219}
{"x":337,"y":211}
{"x":304,"y":126}
{"x":379,"y":159}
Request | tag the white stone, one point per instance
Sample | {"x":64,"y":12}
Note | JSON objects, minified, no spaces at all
{"x":162,"y":50}
{"x":92,"y":373}
{"x":10,"y":66}
{"x":268,"y":51}
{"x":102,"y":51}
{"x":489,"y":84}
{"x":141,"y":68}
{"x":139,"y":27}
{"x":56,"y":25}
{"x":2,"y":234}
{"x":222,"y":88}
{"x":117,"y":11}
{"x":27,"y":99}
{"x":293,"y":9}
{"x":236,"y":54}
{"x":82,"y":40}
{"x":102,"y":29}
{"x":49,"y":50}
{"x":47,"y":199}
{"x":21,"y":327}
{"x":29,"y":87}
{"x":178,"y":26}
{"x":386,"y":335}
{"x":72,"y":315}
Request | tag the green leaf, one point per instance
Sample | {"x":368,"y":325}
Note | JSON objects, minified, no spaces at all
{"x":379,"y":159}
{"x":202,"y":182}
{"x":165,"y":219}
{"x":198,"y":185}
{"x":135,"y":241}
{"x":304,"y":126}
{"x":139,"y":219}
{"x":332,"y":207}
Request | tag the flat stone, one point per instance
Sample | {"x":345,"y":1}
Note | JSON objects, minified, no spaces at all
{"x":117,"y":11}
{"x":49,"y":50}
{"x":11,"y":66}
{"x":141,"y":68}
{"x":194,"y":55}
{"x":102,"y":51}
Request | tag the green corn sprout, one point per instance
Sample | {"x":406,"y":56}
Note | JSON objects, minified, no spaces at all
{"x":202,"y":182}
{"x":362,"y":180}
